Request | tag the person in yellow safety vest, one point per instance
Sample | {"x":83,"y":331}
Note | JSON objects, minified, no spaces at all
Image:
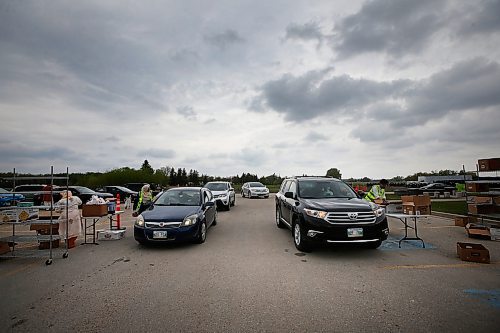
{"x":145,"y":199}
{"x":377,"y":191}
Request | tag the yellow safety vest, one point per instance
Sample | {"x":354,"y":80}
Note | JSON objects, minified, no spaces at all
{"x":370,"y":196}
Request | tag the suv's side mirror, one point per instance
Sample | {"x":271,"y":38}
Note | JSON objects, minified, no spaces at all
{"x":289,"y":195}
{"x":361,"y":193}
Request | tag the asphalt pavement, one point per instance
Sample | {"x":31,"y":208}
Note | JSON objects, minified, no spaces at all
{"x":248,"y":277}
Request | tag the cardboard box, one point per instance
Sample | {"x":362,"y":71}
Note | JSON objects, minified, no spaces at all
{"x":45,"y":245}
{"x":417,"y":200}
{"x":489,"y":164}
{"x":4,"y":247}
{"x":480,"y":209}
{"x":477,"y":187}
{"x":44,"y":228}
{"x":477,"y":231}
{"x":473,"y":252}
{"x":479,"y":200}
{"x":461,"y":221}
{"x":94,"y":210}
{"x":495,"y":234}
{"x":411,"y":209}
{"x":110,"y":234}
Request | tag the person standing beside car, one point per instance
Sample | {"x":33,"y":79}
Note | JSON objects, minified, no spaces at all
{"x":377,"y":192}
{"x":145,"y":199}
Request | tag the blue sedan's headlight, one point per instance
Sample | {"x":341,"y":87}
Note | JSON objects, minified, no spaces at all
{"x":139,"y":221}
{"x":189,"y":220}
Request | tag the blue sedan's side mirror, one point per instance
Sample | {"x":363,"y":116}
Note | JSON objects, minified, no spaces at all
{"x":209,"y":204}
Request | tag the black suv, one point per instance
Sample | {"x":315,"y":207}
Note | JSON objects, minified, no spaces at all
{"x":327,"y":210}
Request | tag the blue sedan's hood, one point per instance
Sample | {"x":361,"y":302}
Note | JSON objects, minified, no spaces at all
{"x":338,"y":204}
{"x":169,"y":213}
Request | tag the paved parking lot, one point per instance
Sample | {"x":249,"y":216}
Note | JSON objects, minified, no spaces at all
{"x":248,"y":276}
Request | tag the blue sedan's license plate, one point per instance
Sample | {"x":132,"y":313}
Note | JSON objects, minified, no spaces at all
{"x":159,"y":234}
{"x":355,"y":232}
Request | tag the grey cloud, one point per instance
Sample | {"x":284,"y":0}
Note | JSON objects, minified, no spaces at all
{"x":315,"y":137}
{"x":472,"y":84}
{"x":480,"y":18}
{"x":187,"y":112}
{"x":157,"y":153}
{"x":250,"y":156}
{"x":393,"y":26}
{"x":308,"y":31}
{"x":111,"y":64}
{"x":312,"y":95}
{"x":224,"y":39}
{"x":14,"y":153}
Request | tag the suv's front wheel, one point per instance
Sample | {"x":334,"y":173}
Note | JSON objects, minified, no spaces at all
{"x":299,"y":239}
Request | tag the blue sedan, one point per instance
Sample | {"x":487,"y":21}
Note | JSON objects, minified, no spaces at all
{"x":178,"y":214}
{"x":6,"y":197}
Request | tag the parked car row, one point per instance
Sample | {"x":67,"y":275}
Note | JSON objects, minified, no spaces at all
{"x":433,"y":187}
{"x":37,"y":193}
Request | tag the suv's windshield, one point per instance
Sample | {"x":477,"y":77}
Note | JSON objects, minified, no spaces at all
{"x":179,"y":198}
{"x":216,"y":186}
{"x":309,"y":189}
{"x":256,"y":185}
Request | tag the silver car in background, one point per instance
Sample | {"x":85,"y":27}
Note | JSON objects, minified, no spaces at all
{"x":254,"y":189}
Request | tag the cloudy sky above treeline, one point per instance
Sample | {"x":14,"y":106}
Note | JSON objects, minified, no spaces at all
{"x":374,"y":88}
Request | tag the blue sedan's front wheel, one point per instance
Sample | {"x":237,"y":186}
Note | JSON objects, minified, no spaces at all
{"x":202,"y":233}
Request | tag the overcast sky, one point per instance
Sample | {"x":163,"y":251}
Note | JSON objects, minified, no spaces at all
{"x":374,"y":88}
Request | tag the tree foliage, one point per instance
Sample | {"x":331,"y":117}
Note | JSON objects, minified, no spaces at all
{"x":334,"y":172}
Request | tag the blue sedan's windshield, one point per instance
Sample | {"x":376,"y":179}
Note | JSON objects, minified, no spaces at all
{"x":179,"y":197}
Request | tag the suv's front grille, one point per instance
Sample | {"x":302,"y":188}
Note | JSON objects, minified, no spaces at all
{"x":350,"y":217}
{"x":162,"y":225}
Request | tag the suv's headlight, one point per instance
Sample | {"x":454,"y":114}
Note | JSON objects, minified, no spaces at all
{"x":139,"y":221}
{"x":377,"y":210}
{"x":189,"y":220}
{"x":315,"y":213}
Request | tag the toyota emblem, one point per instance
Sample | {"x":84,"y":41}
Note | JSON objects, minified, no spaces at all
{"x":353,"y":216}
{"x":161,"y":224}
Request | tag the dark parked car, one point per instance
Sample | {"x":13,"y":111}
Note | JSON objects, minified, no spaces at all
{"x":8,"y":198}
{"x":85,"y":193}
{"x":436,"y":187}
{"x":31,"y":192}
{"x":254,"y":189}
{"x":178,"y":214}
{"x":327,"y":210}
{"x":122,"y":190}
